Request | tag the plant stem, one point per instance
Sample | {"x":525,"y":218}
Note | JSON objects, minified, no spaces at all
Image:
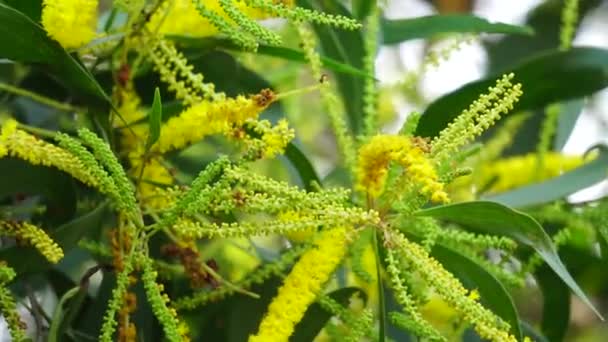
{"x":38,"y":98}
{"x":381,"y":301}
{"x":38,"y":131}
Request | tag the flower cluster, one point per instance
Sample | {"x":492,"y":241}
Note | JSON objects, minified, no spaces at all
{"x":487,"y":324}
{"x":72,"y":23}
{"x":15,"y":142}
{"x":480,"y":115}
{"x":302,"y":286}
{"x":512,"y":172}
{"x":8,"y":307}
{"x":34,"y":236}
{"x":375,"y":158}
{"x":210,"y":117}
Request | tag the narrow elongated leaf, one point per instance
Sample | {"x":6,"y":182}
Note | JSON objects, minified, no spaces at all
{"x":568,"y":115}
{"x":361,"y":8}
{"x":31,"y":8}
{"x":22,"y":40}
{"x":545,"y":78}
{"x":400,"y":30}
{"x":497,"y":219}
{"x":345,"y":47}
{"x":303,"y":166}
{"x":155,"y":119}
{"x":193,"y":44}
{"x":556,"y":305}
{"x":493,"y":294}
{"x":558,"y":187}
{"x":531,"y":332}
{"x":61,"y":316}
{"x":316,"y":317}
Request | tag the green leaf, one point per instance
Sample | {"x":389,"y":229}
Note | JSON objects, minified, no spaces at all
{"x":155,"y":119}
{"x":558,"y":187}
{"x":189,"y":43}
{"x":568,"y":115}
{"x":22,"y":40}
{"x":56,"y":187}
{"x":345,"y":47}
{"x":31,"y":8}
{"x":493,"y":294}
{"x":362,"y":8}
{"x":531,"y":332}
{"x":316,"y":317}
{"x":545,"y":78}
{"x":497,"y":219}
{"x":59,"y":323}
{"x":400,"y":30}
{"x":556,"y":305}
{"x":303,"y":166}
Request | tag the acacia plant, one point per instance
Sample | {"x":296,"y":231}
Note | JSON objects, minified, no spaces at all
{"x":143,"y":181}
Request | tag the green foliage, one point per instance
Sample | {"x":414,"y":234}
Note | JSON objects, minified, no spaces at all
{"x":243,"y":207}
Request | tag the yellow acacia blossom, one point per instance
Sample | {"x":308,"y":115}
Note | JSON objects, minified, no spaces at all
{"x":72,"y":23}
{"x":370,"y":286}
{"x":298,"y":235}
{"x":509,"y":173}
{"x":182,"y":17}
{"x":17,"y":143}
{"x":376,"y":155}
{"x":276,"y":138}
{"x":29,"y":233}
{"x":210,"y":117}
{"x":302,"y":286}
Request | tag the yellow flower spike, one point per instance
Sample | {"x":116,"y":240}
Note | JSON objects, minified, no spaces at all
{"x":34,"y":236}
{"x":276,"y":138}
{"x":509,"y":173}
{"x":72,"y":23}
{"x":182,"y":17}
{"x":296,"y":236}
{"x":302,"y":286}
{"x":20,"y":144}
{"x":155,"y":174}
{"x":210,"y":117}
{"x":376,"y":155}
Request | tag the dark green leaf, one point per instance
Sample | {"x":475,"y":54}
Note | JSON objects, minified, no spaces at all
{"x":495,"y":218}
{"x":493,"y":294}
{"x":31,"y":8}
{"x":556,"y":305}
{"x":547,"y":78}
{"x":59,"y":324}
{"x":245,"y":313}
{"x":362,"y":8}
{"x":546,"y":21}
{"x":303,"y":166}
{"x":155,"y":119}
{"x":558,"y":187}
{"x":568,"y":115}
{"x":529,"y":331}
{"x":56,"y":187}
{"x":400,"y":30}
{"x":23,"y":40}
{"x":316,"y":317}
{"x":345,"y":47}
